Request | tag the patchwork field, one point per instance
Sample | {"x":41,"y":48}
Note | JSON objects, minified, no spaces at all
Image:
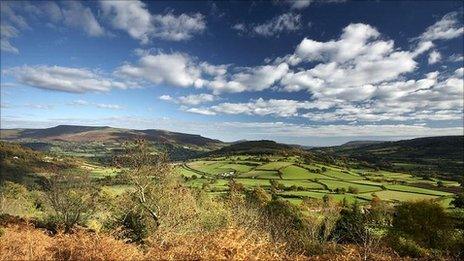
{"x":298,"y":180}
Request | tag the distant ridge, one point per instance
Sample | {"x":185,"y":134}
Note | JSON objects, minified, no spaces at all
{"x":360,"y":143}
{"x":253,"y":148}
{"x":76,"y":133}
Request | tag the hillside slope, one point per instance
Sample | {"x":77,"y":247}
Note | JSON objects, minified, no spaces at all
{"x":427,"y":156}
{"x":73,"y":133}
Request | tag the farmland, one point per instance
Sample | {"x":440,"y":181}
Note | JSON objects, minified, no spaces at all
{"x":297,"y":180}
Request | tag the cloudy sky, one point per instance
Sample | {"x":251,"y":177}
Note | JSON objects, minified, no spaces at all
{"x":306,"y":72}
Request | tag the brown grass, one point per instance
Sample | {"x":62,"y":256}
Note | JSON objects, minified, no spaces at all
{"x":22,"y":242}
{"x":28,"y":243}
{"x":225,"y":244}
{"x":25,"y":243}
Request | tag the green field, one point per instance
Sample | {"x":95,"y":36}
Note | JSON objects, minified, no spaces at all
{"x":311,"y":180}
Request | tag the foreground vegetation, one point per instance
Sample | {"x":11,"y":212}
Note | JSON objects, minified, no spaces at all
{"x":264,"y":207}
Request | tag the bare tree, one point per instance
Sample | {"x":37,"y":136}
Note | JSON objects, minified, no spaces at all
{"x":146,"y":170}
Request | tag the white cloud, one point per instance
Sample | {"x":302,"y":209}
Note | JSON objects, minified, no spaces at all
{"x":302,"y":4}
{"x":192,"y":99}
{"x":134,"y":18}
{"x":130,"y":16}
{"x":249,"y":79}
{"x":299,"y":4}
{"x":239,"y":27}
{"x":98,"y":105}
{"x":275,"y":107}
{"x":434,"y":57}
{"x":178,"y":28}
{"x":197,"y":99}
{"x":79,"y":103}
{"x":108,"y":106}
{"x":448,"y":27}
{"x":79,"y":16}
{"x":10,"y":25}
{"x":350,"y":65}
{"x":175,"y":69}
{"x":165,"y":97}
{"x":287,"y":22}
{"x":70,"y":13}
{"x":66,"y":79}
{"x":182,"y":70}
{"x":39,"y":106}
{"x":459,"y":72}
{"x":456,"y":58}
{"x":6,"y":33}
{"x":200,"y":111}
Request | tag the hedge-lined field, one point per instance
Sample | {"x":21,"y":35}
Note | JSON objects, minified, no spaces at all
{"x":297,"y":179}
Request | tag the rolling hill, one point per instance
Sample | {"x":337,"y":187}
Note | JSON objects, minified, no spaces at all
{"x":98,"y":142}
{"x":74,"y":133}
{"x":254,"y":148}
{"x":423,"y":156}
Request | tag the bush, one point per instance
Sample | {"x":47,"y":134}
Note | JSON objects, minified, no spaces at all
{"x":73,"y":199}
{"x":408,"y":247}
{"x":288,"y":225}
{"x":458,"y":201}
{"x":353,"y":190}
{"x":425,"y":222}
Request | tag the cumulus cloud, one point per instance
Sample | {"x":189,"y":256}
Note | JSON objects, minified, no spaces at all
{"x":349,"y":66}
{"x":240,"y":27}
{"x":275,"y":107}
{"x":166,"y":97}
{"x":192,"y":99}
{"x":175,"y":69}
{"x":196,"y":99}
{"x":426,"y":99}
{"x":434,"y":57}
{"x":249,"y":79}
{"x":200,"y":111}
{"x":66,"y":79}
{"x":134,"y":18}
{"x":182,"y":70}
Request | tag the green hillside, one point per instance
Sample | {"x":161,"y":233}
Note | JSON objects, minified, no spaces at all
{"x":428,"y":157}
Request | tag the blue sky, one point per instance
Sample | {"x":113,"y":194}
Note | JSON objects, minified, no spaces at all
{"x":306,"y":72}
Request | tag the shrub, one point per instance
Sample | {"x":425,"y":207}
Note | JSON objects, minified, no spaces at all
{"x":288,"y":225}
{"x":458,"y":201}
{"x":353,"y":190}
{"x":257,"y":197}
{"x":364,"y":227}
{"x":72,"y":198}
{"x":15,"y":199}
{"x":425,"y":222}
{"x":408,"y":247}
